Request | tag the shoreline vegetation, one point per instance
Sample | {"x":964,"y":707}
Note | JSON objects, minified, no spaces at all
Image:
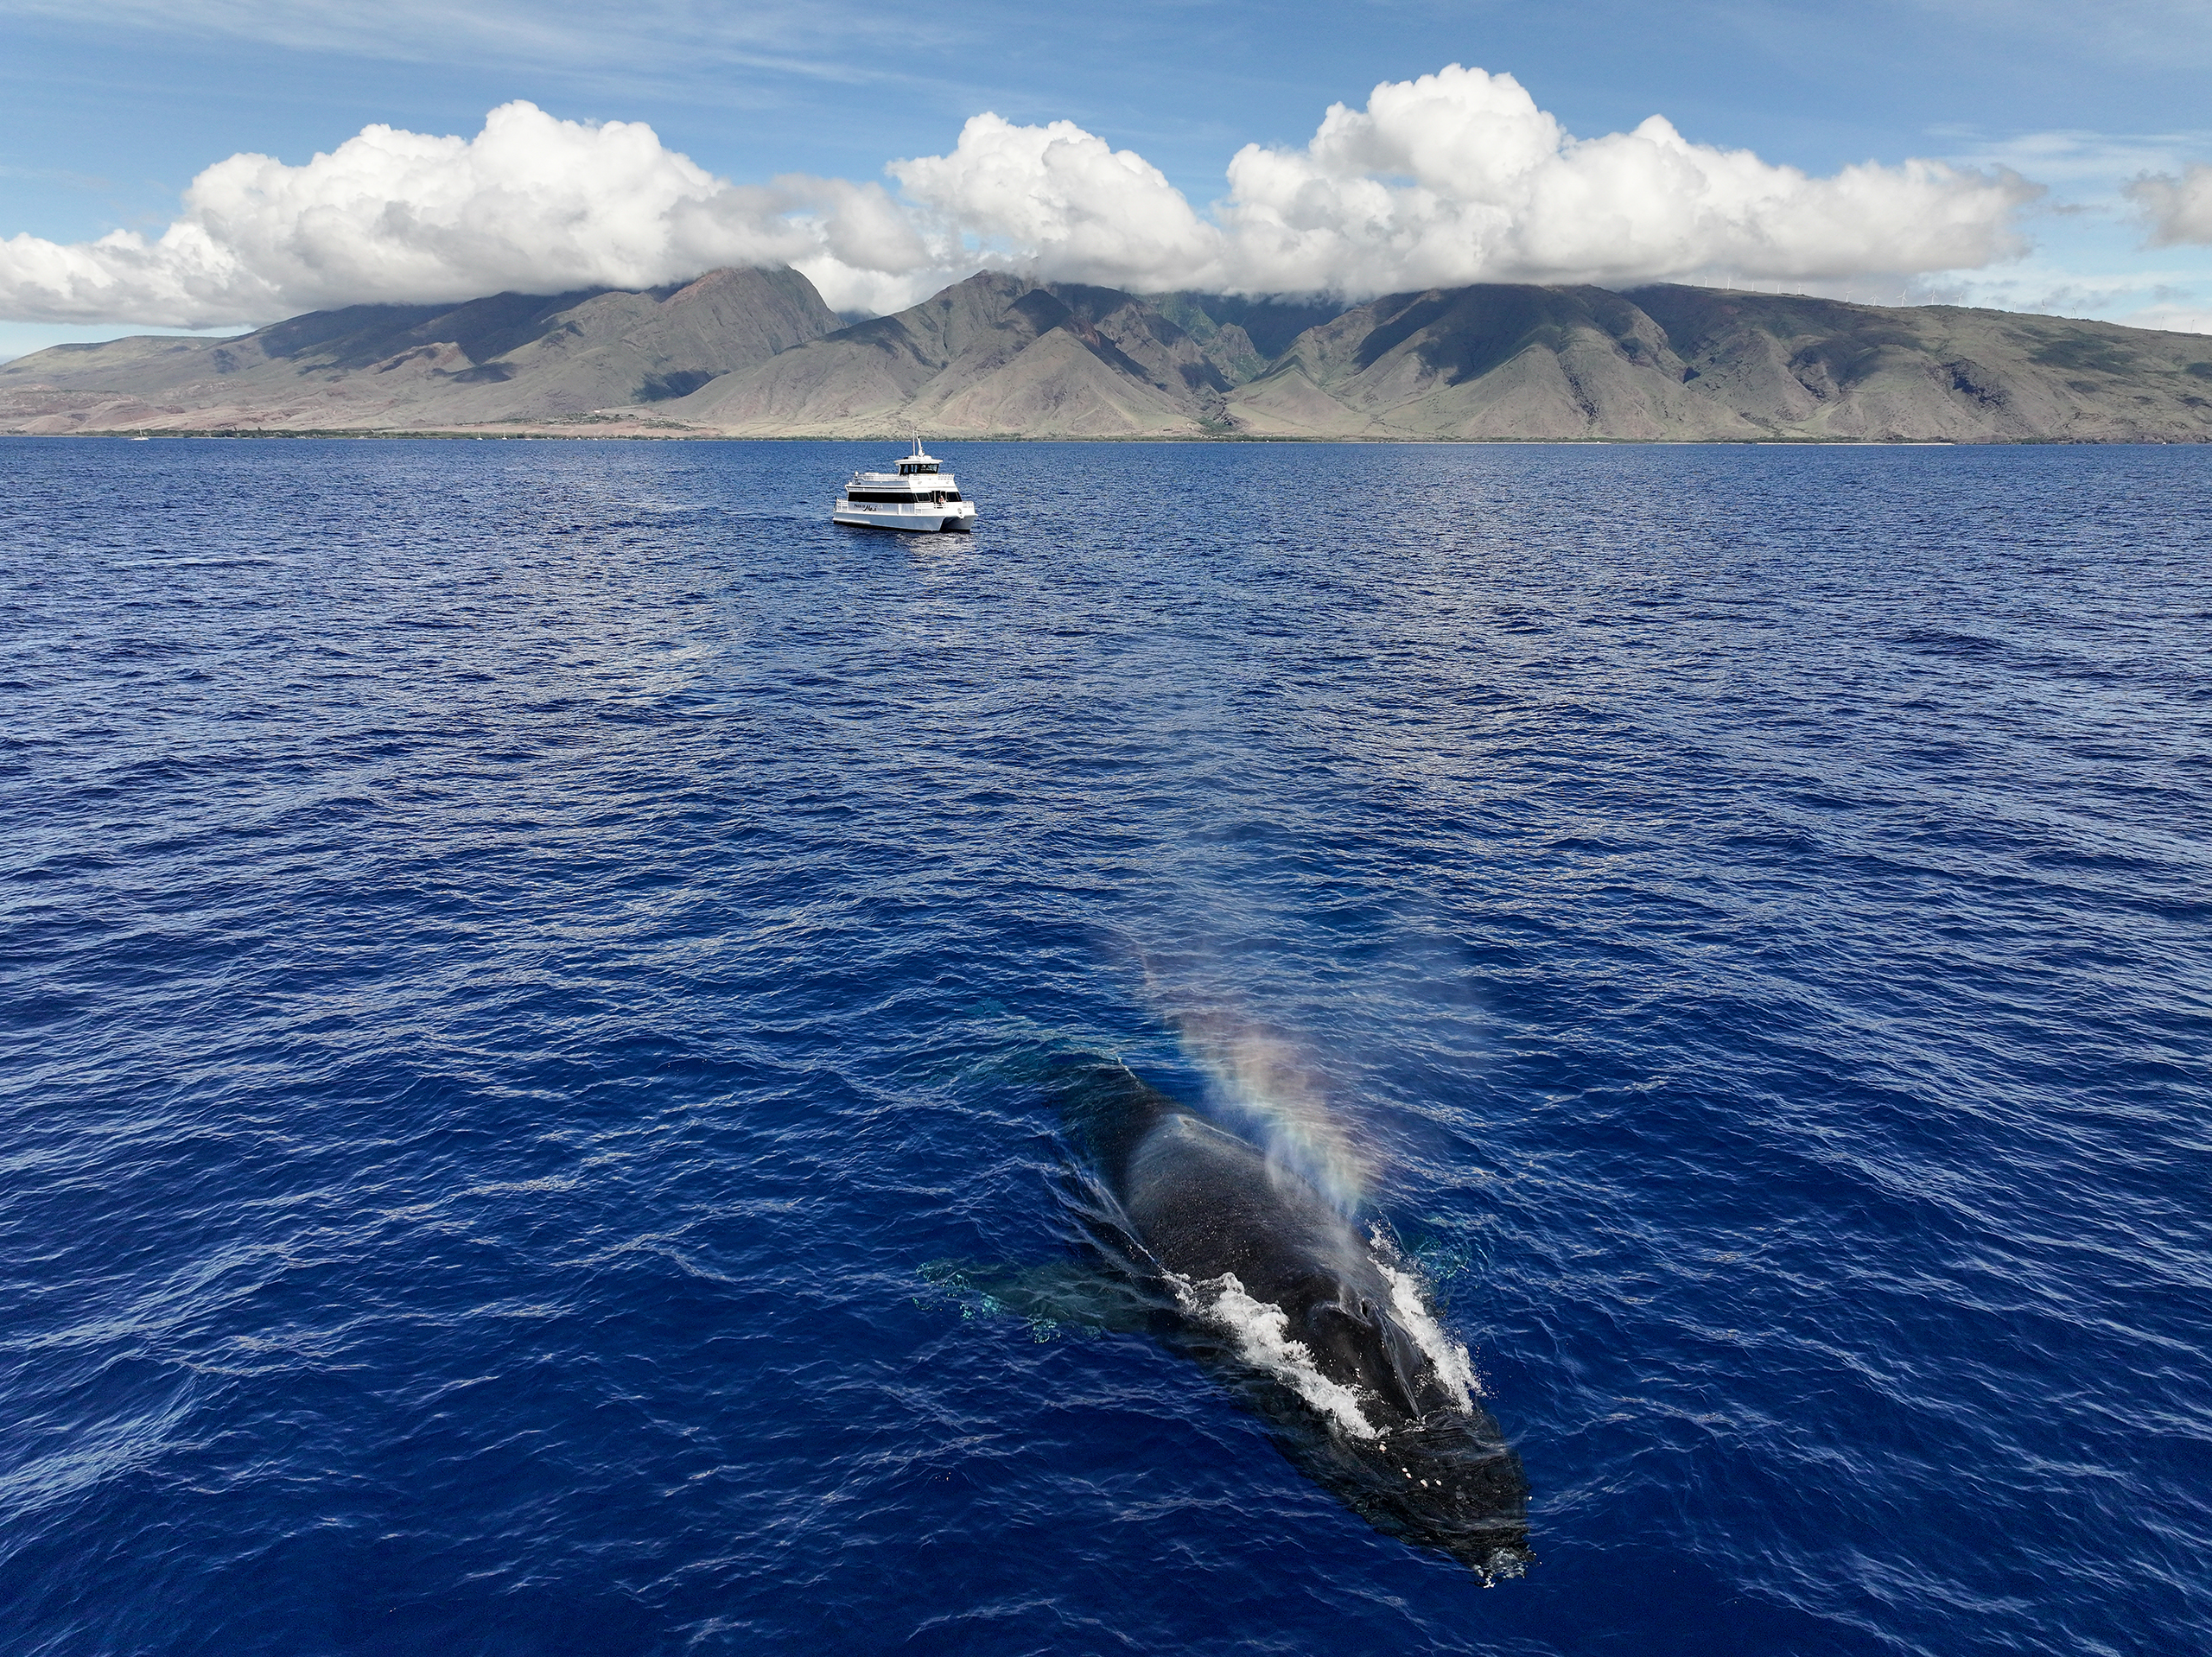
{"x":755,"y":353}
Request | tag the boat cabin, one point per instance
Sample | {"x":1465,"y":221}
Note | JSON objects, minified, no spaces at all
{"x":917,"y":480}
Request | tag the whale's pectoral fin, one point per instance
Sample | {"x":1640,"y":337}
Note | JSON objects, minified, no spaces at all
{"x":1054,"y":1297}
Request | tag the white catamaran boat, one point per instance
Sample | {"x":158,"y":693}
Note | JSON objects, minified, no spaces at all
{"x":917,"y":496}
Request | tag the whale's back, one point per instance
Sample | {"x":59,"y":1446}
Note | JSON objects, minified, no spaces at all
{"x":1205,"y":1204}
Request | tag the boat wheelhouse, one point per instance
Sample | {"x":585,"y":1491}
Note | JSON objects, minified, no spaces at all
{"x":919,"y":495}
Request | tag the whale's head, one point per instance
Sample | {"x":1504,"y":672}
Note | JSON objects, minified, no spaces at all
{"x":1451,"y":1483}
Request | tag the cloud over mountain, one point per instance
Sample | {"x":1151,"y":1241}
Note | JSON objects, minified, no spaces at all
{"x":1457,"y":177}
{"x":2179,"y":209}
{"x":1493,"y":189}
{"x":1451,"y":178}
{"x":531,"y":203}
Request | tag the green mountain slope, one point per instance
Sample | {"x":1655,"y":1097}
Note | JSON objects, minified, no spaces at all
{"x":1486,"y":362}
{"x":1821,"y":368}
{"x":993,"y":355}
{"x":756,"y":354}
{"x":510,"y":357}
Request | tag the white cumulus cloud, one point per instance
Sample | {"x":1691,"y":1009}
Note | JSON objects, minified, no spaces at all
{"x":1458,"y":177}
{"x":1451,"y":178}
{"x":1067,"y":202}
{"x":531,"y":203}
{"x":2179,"y":209}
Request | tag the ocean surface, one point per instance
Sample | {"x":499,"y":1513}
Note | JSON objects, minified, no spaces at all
{"x":526,"y":968}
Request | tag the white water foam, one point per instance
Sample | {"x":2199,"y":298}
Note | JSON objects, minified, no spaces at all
{"x":1453,"y":1364}
{"x":1261,"y":1332}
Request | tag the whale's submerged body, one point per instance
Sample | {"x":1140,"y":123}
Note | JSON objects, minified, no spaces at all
{"x":1321,"y":1329}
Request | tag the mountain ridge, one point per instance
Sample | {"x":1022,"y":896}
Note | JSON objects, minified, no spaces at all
{"x":755,"y":352}
{"x":372,"y":367}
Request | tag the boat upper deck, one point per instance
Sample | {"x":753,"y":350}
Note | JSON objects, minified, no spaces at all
{"x":917,"y":470}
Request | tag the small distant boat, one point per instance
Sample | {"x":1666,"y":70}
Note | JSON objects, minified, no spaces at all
{"x":917,"y":496}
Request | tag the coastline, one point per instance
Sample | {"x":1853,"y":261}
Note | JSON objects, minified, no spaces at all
{"x":614,"y":432}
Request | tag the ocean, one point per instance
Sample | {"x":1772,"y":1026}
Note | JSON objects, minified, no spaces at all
{"x":527,"y":968}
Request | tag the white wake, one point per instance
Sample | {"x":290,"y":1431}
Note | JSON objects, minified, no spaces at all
{"x":1453,"y":1366}
{"x":1261,"y":1331}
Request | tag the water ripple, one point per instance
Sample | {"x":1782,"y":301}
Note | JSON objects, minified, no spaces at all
{"x":521,"y":958}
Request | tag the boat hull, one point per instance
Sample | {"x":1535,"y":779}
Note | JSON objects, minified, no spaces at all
{"x":946,"y":520}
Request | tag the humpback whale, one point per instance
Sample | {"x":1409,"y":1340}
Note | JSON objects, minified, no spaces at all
{"x":1322,"y":1329}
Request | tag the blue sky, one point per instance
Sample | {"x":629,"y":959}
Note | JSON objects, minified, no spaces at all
{"x":111,"y":108}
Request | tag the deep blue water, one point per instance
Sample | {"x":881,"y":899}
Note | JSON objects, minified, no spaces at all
{"x":522,"y":961}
